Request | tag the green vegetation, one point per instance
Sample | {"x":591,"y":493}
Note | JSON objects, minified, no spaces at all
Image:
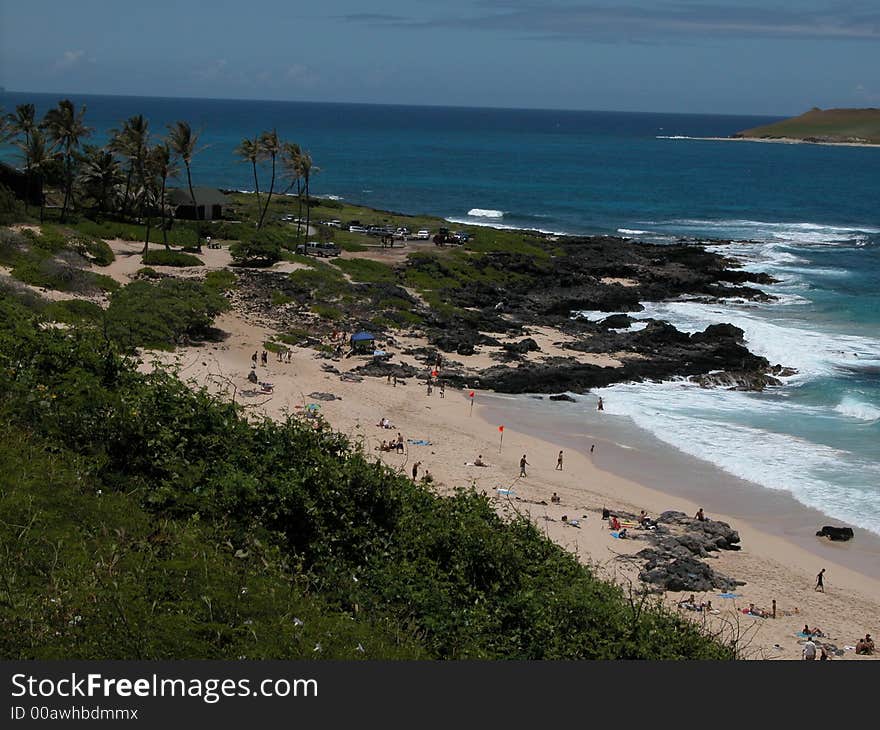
{"x":222,"y":280}
{"x":824,"y":125}
{"x":162,"y":257}
{"x":367,"y":271}
{"x":11,"y":208}
{"x":179,"y":234}
{"x":143,"y":519}
{"x":50,"y":261}
{"x":164,"y":314}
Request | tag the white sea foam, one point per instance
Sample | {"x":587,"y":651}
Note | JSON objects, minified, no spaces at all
{"x":702,"y":423}
{"x":504,"y":227}
{"x":854,"y":408}
{"x":814,"y":353}
{"x":485,"y":213}
{"x":632,"y":232}
{"x":796,"y":233}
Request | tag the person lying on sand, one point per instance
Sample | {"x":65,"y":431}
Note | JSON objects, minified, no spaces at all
{"x":479,"y":461}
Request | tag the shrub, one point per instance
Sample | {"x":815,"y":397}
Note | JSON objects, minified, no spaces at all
{"x":221,"y":280}
{"x":162,"y":315}
{"x":162,"y":257}
{"x":11,"y":208}
{"x":98,"y":251}
{"x":367,"y":271}
{"x":261,"y":248}
{"x":73,"y":311}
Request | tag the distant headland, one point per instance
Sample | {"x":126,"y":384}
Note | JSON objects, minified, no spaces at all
{"x":822,"y":126}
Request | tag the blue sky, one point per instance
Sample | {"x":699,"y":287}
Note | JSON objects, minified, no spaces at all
{"x":763,"y":57}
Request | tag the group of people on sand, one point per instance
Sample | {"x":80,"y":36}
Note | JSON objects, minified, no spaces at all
{"x":395,"y":444}
{"x":440,"y":387}
{"x":691,"y":604}
{"x":280,"y":355}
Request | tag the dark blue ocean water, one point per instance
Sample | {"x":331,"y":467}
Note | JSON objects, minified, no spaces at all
{"x":811,"y":215}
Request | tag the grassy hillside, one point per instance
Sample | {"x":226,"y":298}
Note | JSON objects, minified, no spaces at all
{"x":824,"y":125}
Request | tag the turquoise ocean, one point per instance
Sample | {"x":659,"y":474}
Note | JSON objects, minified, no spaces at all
{"x":808,"y":215}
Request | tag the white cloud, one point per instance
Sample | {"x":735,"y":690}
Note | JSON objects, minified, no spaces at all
{"x":69,"y":59}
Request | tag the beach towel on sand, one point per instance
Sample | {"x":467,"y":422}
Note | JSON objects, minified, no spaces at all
{"x":418,"y":442}
{"x":729,"y":595}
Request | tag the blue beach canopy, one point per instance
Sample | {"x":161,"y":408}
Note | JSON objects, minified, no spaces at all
{"x":362,"y":337}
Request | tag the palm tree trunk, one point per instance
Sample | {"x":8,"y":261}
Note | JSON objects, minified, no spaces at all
{"x":269,"y":197}
{"x":257,"y":184}
{"x":164,"y":227}
{"x":147,"y":237}
{"x":308,"y":208}
{"x":127,"y":189}
{"x":42,"y":196}
{"x":192,"y":194}
{"x":67,"y":186}
{"x":299,"y":213}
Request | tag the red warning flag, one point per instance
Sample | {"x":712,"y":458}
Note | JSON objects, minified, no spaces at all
{"x":501,"y":428}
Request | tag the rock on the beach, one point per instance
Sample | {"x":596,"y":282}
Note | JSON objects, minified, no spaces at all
{"x":563,"y":396}
{"x":837,"y":534}
{"x":681,"y":573}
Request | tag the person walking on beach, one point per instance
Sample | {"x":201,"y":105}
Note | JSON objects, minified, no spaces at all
{"x":254,"y":358}
{"x":415,"y":470}
{"x":559,"y":462}
{"x":600,"y":406}
{"x":442,"y":389}
{"x":820,"y":581}
{"x":522,"y":466}
{"x":264,"y":358}
{"x":592,"y":448}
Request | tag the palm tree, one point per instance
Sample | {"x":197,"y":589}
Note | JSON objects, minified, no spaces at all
{"x":182,"y":141}
{"x":249,"y":151}
{"x":271,"y":147}
{"x":131,"y":143}
{"x":291,"y":156}
{"x":66,"y":127}
{"x":99,"y":175}
{"x":307,"y":169}
{"x":148,"y":195}
{"x":38,"y":154}
{"x":6,"y":130}
{"x":162,"y":166}
{"x":21,"y":121}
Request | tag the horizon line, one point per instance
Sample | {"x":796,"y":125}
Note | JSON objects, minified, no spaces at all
{"x":386,"y":104}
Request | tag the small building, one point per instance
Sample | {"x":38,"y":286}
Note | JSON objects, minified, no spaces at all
{"x":207,"y":206}
{"x":363,"y":342}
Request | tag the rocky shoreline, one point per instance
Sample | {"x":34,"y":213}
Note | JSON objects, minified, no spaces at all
{"x":511,"y":293}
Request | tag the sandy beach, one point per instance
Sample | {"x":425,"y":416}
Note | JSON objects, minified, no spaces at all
{"x":445,"y":437}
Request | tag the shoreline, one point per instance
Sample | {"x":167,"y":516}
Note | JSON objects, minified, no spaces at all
{"x":772,"y":140}
{"x":647,"y":460}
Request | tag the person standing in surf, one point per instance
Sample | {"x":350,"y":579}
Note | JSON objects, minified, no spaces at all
{"x":600,"y":406}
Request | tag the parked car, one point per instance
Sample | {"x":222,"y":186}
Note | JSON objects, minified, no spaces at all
{"x":328,"y":250}
{"x":461,"y":236}
{"x":357,"y":229}
{"x":316,"y":248}
{"x":423,"y":235}
{"x":402,"y":234}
